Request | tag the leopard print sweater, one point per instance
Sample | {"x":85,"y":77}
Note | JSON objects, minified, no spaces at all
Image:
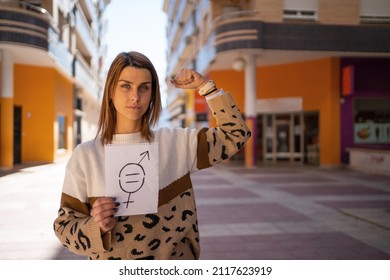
{"x":172,"y":232}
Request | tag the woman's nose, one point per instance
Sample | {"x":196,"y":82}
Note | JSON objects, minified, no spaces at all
{"x":134,"y":95}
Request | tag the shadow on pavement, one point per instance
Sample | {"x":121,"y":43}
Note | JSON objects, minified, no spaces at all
{"x":65,"y":254}
{"x":21,"y":168}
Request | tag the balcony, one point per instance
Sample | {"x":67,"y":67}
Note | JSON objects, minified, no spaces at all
{"x":239,"y":34}
{"x":185,"y":47}
{"x":84,"y":76}
{"x":32,"y":37}
{"x":24,"y":24}
{"x":61,"y":53}
{"x":244,"y":30}
{"x":85,"y":34}
{"x":181,"y":18}
{"x":88,"y":8}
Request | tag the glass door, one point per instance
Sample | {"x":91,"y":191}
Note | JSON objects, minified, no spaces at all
{"x":283,"y":137}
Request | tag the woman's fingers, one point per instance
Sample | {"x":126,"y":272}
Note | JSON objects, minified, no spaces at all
{"x":188,"y":79}
{"x":184,"y":77}
{"x":103,"y":214}
{"x":107,"y":224}
{"x":103,"y":210}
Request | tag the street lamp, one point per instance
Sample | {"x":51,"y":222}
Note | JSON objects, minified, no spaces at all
{"x":238,"y":64}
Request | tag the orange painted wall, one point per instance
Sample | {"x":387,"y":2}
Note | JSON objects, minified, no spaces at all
{"x":6,"y":132}
{"x":230,"y":81}
{"x":42,"y":93}
{"x":317,"y":82}
{"x":64,"y":106}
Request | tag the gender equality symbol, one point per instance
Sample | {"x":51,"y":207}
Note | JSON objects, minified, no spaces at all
{"x":132,"y":177}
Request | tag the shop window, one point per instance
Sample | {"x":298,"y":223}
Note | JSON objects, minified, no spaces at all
{"x":372,"y":121}
{"x":61,"y":132}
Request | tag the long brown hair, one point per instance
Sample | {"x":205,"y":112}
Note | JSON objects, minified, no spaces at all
{"x":107,"y":118}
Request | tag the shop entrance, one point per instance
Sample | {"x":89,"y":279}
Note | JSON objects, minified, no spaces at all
{"x":291,"y":137}
{"x":283,"y":137}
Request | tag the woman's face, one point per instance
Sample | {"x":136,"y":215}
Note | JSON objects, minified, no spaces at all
{"x":131,"y":98}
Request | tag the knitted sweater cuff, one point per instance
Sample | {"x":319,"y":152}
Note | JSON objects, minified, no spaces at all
{"x":221,"y":102}
{"x":98,"y":243}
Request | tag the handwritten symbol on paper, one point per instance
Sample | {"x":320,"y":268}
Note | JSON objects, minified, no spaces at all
{"x":132,"y":177}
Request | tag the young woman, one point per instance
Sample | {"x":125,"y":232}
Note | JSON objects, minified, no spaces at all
{"x":86,"y":222}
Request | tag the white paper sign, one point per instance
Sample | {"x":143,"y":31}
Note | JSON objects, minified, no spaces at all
{"x":131,"y":176}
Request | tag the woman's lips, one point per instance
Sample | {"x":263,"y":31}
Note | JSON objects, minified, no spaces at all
{"x":133,"y":107}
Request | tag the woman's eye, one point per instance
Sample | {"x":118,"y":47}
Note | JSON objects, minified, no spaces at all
{"x":144,"y":88}
{"x":127,"y":86}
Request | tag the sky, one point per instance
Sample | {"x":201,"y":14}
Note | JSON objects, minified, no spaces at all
{"x":137,"y":25}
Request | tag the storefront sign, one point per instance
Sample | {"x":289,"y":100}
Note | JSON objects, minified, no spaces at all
{"x":373,"y":133}
{"x":347,"y":83}
{"x":279,"y":105}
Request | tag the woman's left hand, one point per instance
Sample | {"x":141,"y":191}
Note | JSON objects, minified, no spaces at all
{"x":189,"y":79}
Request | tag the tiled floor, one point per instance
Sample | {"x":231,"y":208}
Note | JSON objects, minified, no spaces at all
{"x":271,"y":212}
{"x":291,"y":213}
{"x":340,"y":189}
{"x":332,"y":245}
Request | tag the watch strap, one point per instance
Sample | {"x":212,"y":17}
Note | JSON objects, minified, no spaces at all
{"x":209,"y":86}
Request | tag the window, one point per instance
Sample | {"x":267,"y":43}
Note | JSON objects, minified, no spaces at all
{"x":372,"y":121}
{"x":375,"y":11}
{"x":300,"y":9}
{"x":61,"y":132}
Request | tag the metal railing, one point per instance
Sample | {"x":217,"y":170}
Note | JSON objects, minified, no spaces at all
{"x":230,"y":17}
{"x":83,"y":27}
{"x":28,"y":7}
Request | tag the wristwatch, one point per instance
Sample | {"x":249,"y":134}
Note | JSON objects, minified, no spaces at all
{"x":208,"y":87}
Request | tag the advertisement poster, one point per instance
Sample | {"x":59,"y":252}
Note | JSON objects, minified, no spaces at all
{"x":372,"y":133}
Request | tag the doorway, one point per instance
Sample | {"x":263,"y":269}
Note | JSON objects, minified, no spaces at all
{"x":17,"y":134}
{"x":312,"y":145}
{"x":283,"y":137}
{"x":292,"y":137}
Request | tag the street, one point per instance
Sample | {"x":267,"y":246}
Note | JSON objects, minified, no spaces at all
{"x":273,"y":212}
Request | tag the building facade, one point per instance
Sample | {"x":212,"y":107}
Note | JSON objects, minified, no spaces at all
{"x":51,"y":57}
{"x":297,"y":69}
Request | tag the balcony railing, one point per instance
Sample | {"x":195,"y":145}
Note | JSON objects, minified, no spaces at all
{"x":60,"y":52}
{"x":85,"y":31}
{"x":180,"y":20}
{"x":214,"y":34}
{"x":186,"y":43}
{"x":25,"y":24}
{"x":246,"y":30}
{"x":232,"y":17}
{"x":25,"y":6}
{"x":84,"y":76}
{"x":88,"y":6}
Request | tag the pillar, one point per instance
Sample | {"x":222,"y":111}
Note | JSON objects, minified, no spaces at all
{"x":6,"y":110}
{"x":250,"y":110}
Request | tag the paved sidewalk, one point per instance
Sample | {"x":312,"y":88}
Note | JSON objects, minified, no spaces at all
{"x":271,"y":212}
{"x":293,"y":212}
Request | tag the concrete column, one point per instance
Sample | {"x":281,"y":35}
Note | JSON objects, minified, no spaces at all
{"x":7,"y":110}
{"x":250,"y":109}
